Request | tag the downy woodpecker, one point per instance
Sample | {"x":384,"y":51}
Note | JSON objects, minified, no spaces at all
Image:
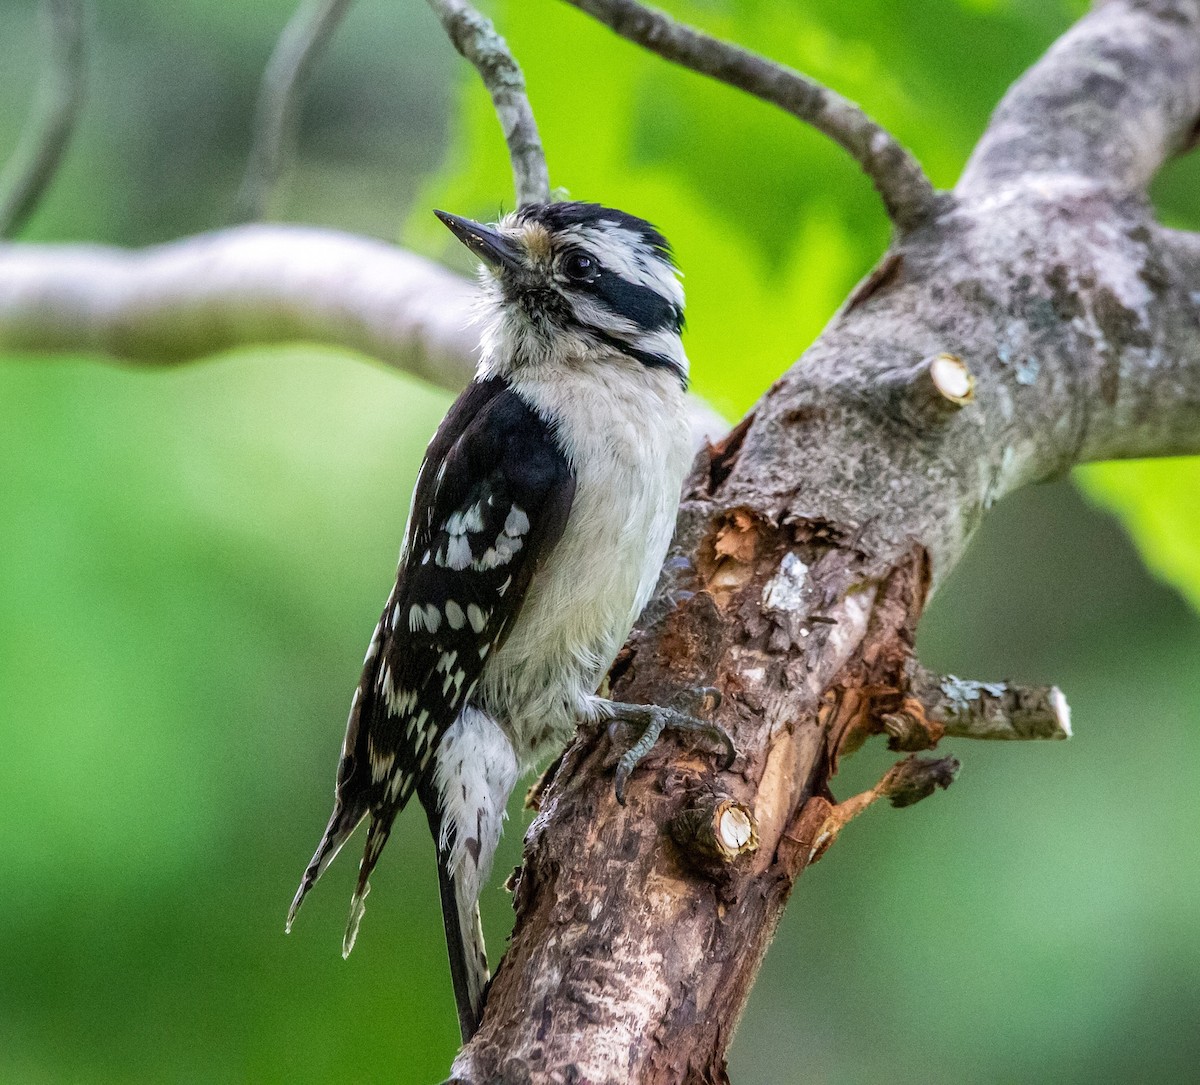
{"x":540,"y":519}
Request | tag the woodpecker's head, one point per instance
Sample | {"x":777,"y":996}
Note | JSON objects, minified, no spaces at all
{"x":577,"y":283}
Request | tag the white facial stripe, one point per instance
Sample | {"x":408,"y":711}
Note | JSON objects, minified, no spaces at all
{"x":592,"y":313}
{"x":625,"y":253}
{"x":666,"y":344}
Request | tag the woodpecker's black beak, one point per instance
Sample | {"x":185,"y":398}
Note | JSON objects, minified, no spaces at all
{"x":494,"y":249}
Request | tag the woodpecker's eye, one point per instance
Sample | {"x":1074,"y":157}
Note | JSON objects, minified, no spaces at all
{"x":579,"y":266}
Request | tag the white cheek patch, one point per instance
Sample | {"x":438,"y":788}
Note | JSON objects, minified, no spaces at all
{"x":665,"y":343}
{"x":591,"y":313}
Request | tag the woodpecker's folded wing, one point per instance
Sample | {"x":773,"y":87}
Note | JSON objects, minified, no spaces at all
{"x":492,"y":499}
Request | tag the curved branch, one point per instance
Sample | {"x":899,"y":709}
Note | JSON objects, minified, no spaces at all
{"x":1117,"y":95}
{"x":28,"y":174}
{"x":235,"y":288}
{"x":475,"y":38}
{"x":296,"y":52}
{"x":906,"y":191}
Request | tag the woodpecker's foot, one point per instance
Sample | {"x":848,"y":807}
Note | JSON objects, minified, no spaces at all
{"x":654,"y":719}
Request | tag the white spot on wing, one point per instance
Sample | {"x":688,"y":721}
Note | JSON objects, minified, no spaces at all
{"x":396,"y":784}
{"x":476,"y":617}
{"x":458,"y":553}
{"x":454,"y":614}
{"x":500,"y":554}
{"x":516,"y":523}
{"x":381,"y":760}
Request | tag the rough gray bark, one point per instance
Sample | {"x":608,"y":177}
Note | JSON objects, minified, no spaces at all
{"x":810,"y":539}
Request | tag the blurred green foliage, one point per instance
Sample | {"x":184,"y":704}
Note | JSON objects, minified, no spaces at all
{"x":194,"y":559}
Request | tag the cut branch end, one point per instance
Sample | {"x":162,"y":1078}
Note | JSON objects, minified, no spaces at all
{"x":716,"y":828}
{"x":990,"y":710}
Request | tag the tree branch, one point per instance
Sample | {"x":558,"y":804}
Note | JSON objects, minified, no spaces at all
{"x":906,"y":191}
{"x":246,"y":286}
{"x":33,"y":165}
{"x":945,"y":704}
{"x":475,"y":38}
{"x":808,"y":543}
{"x":1106,"y":106}
{"x":296,"y":52}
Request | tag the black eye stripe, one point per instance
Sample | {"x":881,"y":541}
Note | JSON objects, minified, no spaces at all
{"x":647,"y":308}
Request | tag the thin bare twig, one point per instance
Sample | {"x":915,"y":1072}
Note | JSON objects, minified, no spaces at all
{"x":33,"y":165}
{"x":475,"y":38}
{"x":300,"y":45}
{"x":907,"y":193}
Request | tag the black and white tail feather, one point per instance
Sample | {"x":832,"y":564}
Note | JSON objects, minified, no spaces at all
{"x":540,"y":518}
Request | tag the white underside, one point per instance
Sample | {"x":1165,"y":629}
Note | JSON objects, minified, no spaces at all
{"x":625,"y":430}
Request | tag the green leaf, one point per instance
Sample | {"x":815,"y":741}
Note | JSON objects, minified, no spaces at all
{"x":1158,"y":501}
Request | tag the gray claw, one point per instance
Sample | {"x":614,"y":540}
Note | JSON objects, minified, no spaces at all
{"x":654,"y":720}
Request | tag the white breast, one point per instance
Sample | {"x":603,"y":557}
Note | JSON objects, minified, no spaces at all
{"x":624,"y":428}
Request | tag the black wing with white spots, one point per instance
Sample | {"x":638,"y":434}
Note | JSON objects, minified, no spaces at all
{"x":492,"y":499}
